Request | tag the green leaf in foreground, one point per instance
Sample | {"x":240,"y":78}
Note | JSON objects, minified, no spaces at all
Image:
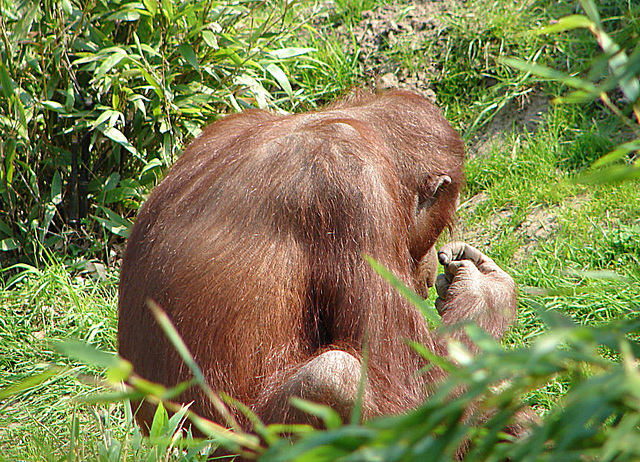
{"x":553,"y":74}
{"x":574,"y":21}
{"x":416,"y":300}
{"x":613,"y":174}
{"x":160,"y":420}
{"x":170,"y":331}
{"x":329,"y":417}
{"x":28,"y":383}
{"x":117,"y":369}
{"x":618,"y":153}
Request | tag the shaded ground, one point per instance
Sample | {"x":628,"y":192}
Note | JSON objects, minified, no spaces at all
{"x":523,"y":115}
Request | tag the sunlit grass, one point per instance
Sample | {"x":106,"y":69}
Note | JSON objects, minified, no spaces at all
{"x":36,"y":308}
{"x":549,"y":232}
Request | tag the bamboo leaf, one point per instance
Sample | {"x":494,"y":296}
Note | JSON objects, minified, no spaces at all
{"x":632,"y":68}
{"x":6,"y":82}
{"x":29,"y":12}
{"x":552,"y":74}
{"x":151,"y":6}
{"x":416,"y":300}
{"x":125,"y":14}
{"x":329,"y":417}
{"x":592,"y":11}
{"x":259,"y":92}
{"x":107,"y":115}
{"x":575,"y":97}
{"x":153,"y":163}
{"x":49,"y":213}
{"x":151,"y":80}
{"x":56,"y":188}
{"x":114,"y":223}
{"x":54,"y":106}
{"x":189,"y":55}
{"x":111,"y":397}
{"x":224,"y":53}
{"x":167,"y":9}
{"x":109,"y":63}
{"x":112,"y":181}
{"x":8,"y":244}
{"x":618,"y":153}
{"x":117,"y":368}
{"x":29,"y":382}
{"x":285,"y":53}
{"x":117,"y":136}
{"x":160,"y":420}
{"x":87,"y":58}
{"x":210,"y":39}
{"x":70,"y":98}
{"x":281,"y":78}
{"x":9,"y":160}
{"x":613,"y":174}
{"x":258,"y":32}
{"x":146,"y":387}
{"x":574,"y":21}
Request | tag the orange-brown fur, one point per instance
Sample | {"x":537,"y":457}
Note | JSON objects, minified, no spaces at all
{"x":253,"y":244}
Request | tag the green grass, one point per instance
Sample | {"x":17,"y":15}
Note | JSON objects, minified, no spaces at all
{"x":547,"y":230}
{"x":36,"y":309}
{"x":528,"y":178}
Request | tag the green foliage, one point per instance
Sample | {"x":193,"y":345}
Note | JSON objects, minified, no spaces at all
{"x":598,"y":416}
{"x":37,"y":383}
{"x":602,"y":406}
{"x":573,"y":356}
{"x":470,"y":80}
{"x":617,"y":68}
{"x":98,"y":98}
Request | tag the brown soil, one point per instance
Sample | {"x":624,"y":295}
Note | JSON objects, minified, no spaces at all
{"x":540,"y":224}
{"x":390,"y":27}
{"x":409,"y":26}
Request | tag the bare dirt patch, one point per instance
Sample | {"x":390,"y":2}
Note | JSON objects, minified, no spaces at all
{"x":540,"y":224}
{"x":409,"y":26}
{"x":387,"y":29}
{"x":521,"y":115}
{"x":482,"y":236}
{"x":392,"y":27}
